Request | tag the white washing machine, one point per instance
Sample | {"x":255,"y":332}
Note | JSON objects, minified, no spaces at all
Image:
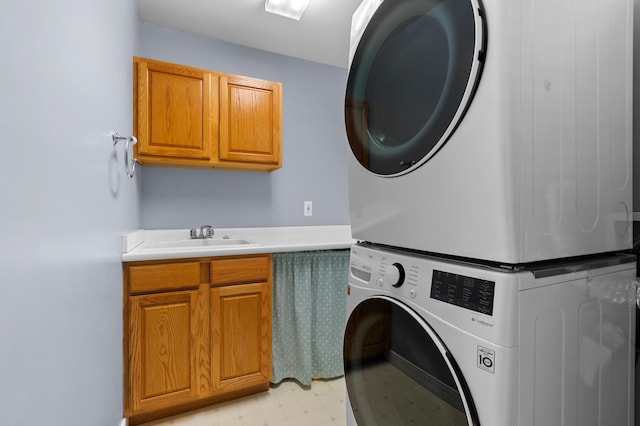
{"x":440,"y":342}
{"x":497,"y":130}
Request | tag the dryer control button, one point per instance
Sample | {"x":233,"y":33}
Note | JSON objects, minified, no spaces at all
{"x":380,"y":282}
{"x":412,"y":293}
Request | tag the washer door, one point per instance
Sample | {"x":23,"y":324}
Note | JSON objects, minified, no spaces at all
{"x":411,"y":80}
{"x":398,"y":371}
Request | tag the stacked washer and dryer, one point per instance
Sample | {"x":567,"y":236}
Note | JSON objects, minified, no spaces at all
{"x":490,"y":190}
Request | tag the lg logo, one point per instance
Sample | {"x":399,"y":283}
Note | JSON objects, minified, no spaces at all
{"x":486,"y":359}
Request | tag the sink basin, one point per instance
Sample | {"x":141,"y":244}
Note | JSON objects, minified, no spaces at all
{"x":196,"y":243}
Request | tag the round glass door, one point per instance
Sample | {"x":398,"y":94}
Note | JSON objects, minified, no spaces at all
{"x":398,"y":372}
{"x":411,"y":80}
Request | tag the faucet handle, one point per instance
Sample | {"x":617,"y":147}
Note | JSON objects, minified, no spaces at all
{"x":193,"y":233}
{"x":206,"y":234}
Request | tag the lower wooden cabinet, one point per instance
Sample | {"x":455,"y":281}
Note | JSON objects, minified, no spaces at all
{"x":164,"y":342}
{"x":196,"y":332}
{"x":241,"y":325}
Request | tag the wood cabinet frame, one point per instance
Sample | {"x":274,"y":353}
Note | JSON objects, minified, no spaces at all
{"x":220,"y":307}
{"x":192,"y":117}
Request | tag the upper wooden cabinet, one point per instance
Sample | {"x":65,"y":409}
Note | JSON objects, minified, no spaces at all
{"x":191,"y":117}
{"x":251,"y":120}
{"x":176,"y":113}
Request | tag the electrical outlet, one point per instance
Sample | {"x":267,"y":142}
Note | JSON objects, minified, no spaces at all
{"x":308,"y":208}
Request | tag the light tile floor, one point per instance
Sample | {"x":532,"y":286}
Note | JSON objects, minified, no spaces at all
{"x":286,"y":404}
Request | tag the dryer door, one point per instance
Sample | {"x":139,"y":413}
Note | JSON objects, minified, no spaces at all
{"x":398,"y":371}
{"x":411,"y":79}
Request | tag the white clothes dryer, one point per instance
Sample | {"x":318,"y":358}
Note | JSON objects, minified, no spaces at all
{"x":498,"y":130}
{"x":439,"y":342}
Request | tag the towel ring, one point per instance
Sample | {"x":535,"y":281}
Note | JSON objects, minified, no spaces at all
{"x":130,"y":169}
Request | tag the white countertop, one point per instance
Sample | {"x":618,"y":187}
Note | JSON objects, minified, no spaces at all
{"x":147,"y":244}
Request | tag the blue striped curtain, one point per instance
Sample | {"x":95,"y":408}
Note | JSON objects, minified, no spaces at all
{"x":309,"y":314}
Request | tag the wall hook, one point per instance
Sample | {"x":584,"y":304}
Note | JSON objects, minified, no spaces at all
{"x":129,"y":140}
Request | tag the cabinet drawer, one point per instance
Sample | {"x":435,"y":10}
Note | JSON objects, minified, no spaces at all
{"x":240,"y":270}
{"x":167,"y":276}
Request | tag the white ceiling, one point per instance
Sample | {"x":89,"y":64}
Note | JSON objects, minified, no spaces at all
{"x":321,"y":35}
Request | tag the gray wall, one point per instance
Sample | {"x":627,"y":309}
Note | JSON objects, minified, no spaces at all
{"x":65,"y":83}
{"x":315,"y":146}
{"x":636,"y":108}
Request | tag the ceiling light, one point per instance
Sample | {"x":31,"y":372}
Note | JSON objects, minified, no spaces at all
{"x":290,"y":8}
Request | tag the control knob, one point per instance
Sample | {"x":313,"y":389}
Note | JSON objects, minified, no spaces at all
{"x":394,"y":275}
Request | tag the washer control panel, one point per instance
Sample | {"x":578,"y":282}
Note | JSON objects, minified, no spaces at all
{"x":410,"y":275}
{"x":466,"y":292}
{"x":475,"y":298}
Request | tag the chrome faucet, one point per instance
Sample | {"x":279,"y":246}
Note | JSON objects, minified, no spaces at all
{"x":206,"y":231}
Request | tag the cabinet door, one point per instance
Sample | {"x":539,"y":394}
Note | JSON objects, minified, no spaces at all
{"x":250,"y":120}
{"x":176,"y":110}
{"x":241,"y":335}
{"x":164,"y":342}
